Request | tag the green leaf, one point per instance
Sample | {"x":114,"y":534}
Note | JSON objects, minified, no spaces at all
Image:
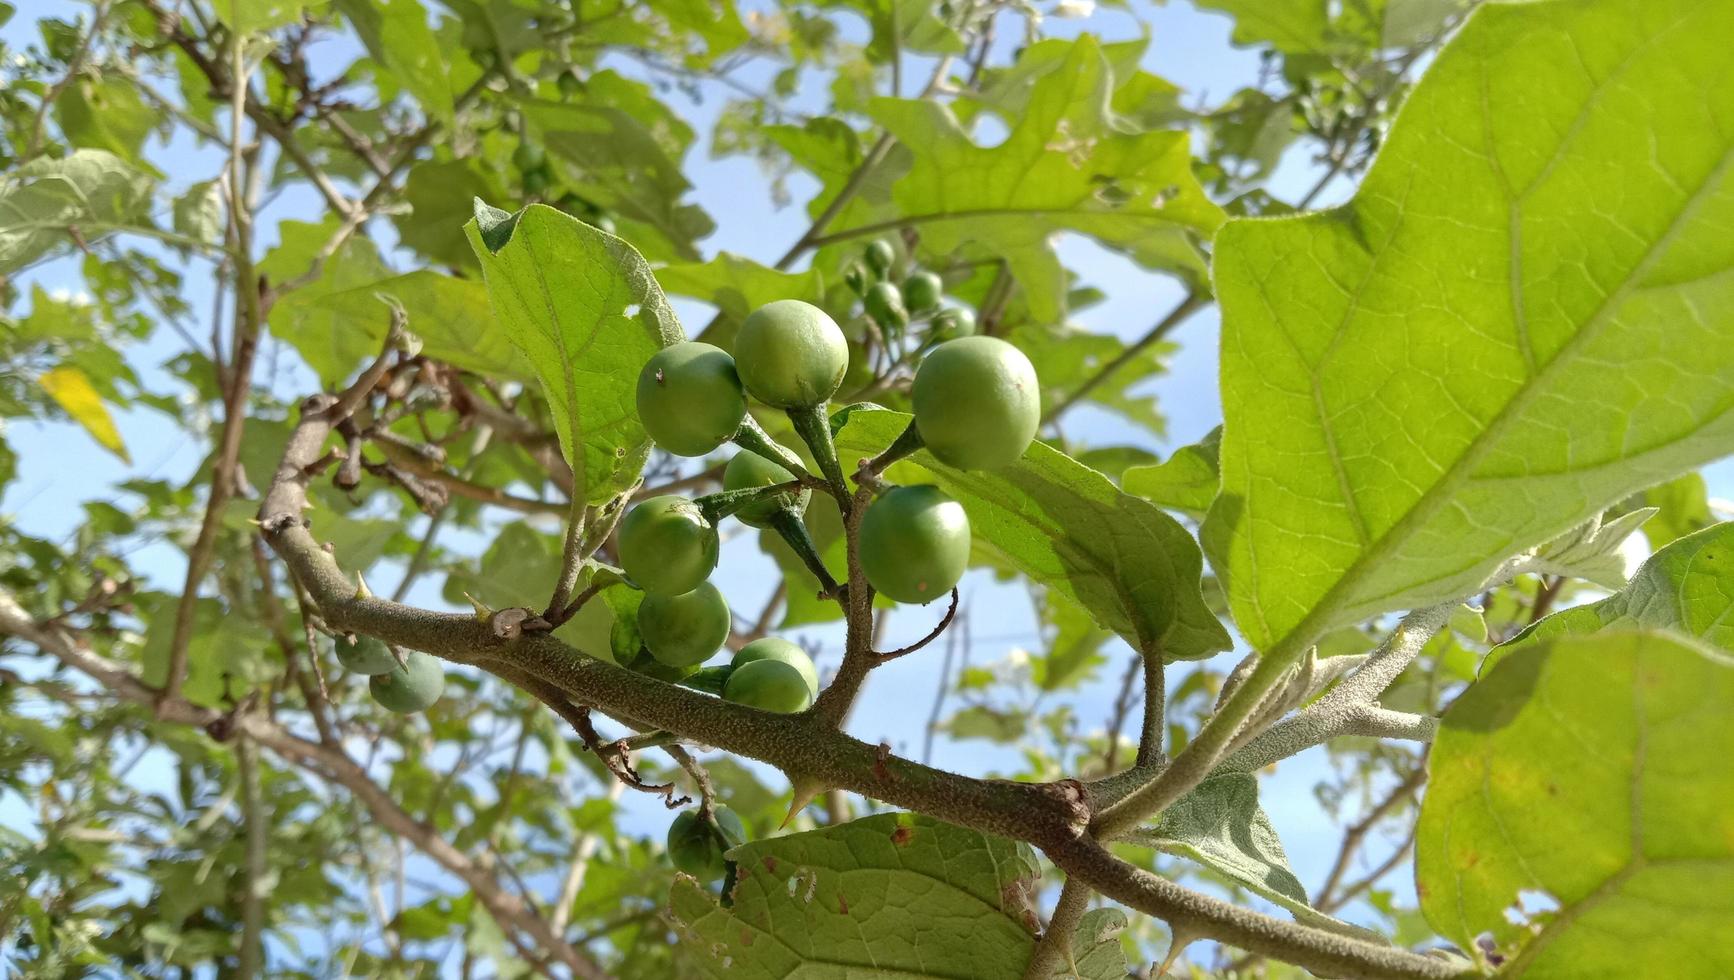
{"x":198,"y":212}
{"x":584,"y":310}
{"x":1096,"y":950}
{"x":892,"y":894}
{"x":1578,"y":810}
{"x":1687,"y":587}
{"x":1221,"y":826}
{"x":72,"y":391}
{"x":1186,"y":481}
{"x":1591,"y":551}
{"x":298,"y":254}
{"x":106,"y":113}
{"x":1682,"y":506}
{"x":439,"y":195}
{"x":338,"y":331}
{"x":1068,"y":527}
{"x":41,"y":203}
{"x":255,"y":16}
{"x":1441,"y":373}
{"x":1063,"y":168}
{"x":398,"y":36}
{"x":737,"y":286}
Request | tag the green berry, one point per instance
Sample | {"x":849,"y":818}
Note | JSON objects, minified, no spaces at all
{"x":977,"y":403}
{"x":914,"y":543}
{"x":950,"y":324}
{"x":667,"y":546}
{"x":410,"y":688}
{"x":880,"y":256}
{"x":884,"y":303}
{"x":921,"y":291}
{"x":690,"y":398}
{"x":748,"y":470}
{"x":782,"y":651}
{"x":697,"y":848}
{"x":364,"y":656}
{"x":529,"y":157}
{"x":769,"y":685}
{"x":687,"y":629}
{"x":791,"y":354}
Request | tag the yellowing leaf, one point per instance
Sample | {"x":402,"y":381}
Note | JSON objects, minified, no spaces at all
{"x":69,"y":387}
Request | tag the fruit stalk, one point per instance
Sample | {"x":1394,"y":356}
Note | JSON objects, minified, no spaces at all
{"x":793,"y":530}
{"x":906,"y":443}
{"x":754,"y":439}
{"x":813,"y":425}
{"x":724,"y":503}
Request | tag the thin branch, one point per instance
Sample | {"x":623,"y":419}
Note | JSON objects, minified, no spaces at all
{"x":1357,"y":832}
{"x":1054,"y":949}
{"x":258,"y":831}
{"x":1189,"y":304}
{"x":950,"y":613}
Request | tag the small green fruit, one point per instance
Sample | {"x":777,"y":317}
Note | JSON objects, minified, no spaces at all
{"x":951,"y":324}
{"x":782,"y":651}
{"x":684,"y":630}
{"x":884,"y":303}
{"x":529,"y":156}
{"x":880,"y":256}
{"x":365,"y":656}
{"x":666,"y":545}
{"x":412,"y":688}
{"x":747,"y":470}
{"x":769,"y":685}
{"x":571,"y":86}
{"x":977,"y":403}
{"x":697,"y":847}
{"x":914,"y":543}
{"x":921,"y":291}
{"x":690,"y":398}
{"x":537,"y":182}
{"x":855,"y":276}
{"x":791,"y":354}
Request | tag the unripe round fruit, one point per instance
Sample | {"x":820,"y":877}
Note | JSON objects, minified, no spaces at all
{"x":747,"y":470}
{"x":914,"y":543}
{"x":667,"y":546}
{"x":884,"y":303}
{"x":571,"y":86}
{"x":411,"y":688}
{"x":365,"y":656}
{"x":536,"y":183}
{"x":529,"y":156}
{"x":977,"y":403}
{"x":684,"y":630}
{"x":855,"y":276}
{"x":769,"y":685}
{"x":690,"y":398}
{"x":693,"y":846}
{"x":791,"y":354}
{"x":880,"y":254}
{"x":921,"y":291}
{"x":782,"y":651}
{"x":951,"y":324}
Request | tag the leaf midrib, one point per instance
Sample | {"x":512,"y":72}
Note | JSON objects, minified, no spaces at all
{"x":1460,"y":471}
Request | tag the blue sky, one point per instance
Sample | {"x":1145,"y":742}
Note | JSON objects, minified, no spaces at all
{"x":60,"y":468}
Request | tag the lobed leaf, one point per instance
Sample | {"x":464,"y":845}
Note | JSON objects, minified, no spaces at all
{"x":585,"y":312}
{"x":1525,"y":314}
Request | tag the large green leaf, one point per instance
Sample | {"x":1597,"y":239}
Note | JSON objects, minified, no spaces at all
{"x":1579,"y":810}
{"x":737,"y":286}
{"x":1064,"y":167}
{"x":1068,"y":527}
{"x":1687,"y":587}
{"x":80,"y":197}
{"x":1525,"y":314}
{"x":584,"y":310}
{"x":888,"y":895}
{"x":398,"y":36}
{"x":1186,"y":481}
{"x":340,"y":330}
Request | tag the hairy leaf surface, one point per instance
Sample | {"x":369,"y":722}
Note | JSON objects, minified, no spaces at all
{"x":1526,"y":313}
{"x":1577,"y":810}
{"x":584,"y":310}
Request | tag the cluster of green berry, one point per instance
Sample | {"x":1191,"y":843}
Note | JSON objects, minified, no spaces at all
{"x":919,"y":300}
{"x":976,"y":405}
{"x":407,"y":685}
{"x":538,"y":179}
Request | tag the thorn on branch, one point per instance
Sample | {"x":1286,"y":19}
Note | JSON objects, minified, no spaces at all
{"x":950,"y":614}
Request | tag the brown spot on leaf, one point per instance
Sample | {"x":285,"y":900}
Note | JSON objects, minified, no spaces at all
{"x":842,"y":904}
{"x":770,"y":863}
{"x":902,"y":835}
